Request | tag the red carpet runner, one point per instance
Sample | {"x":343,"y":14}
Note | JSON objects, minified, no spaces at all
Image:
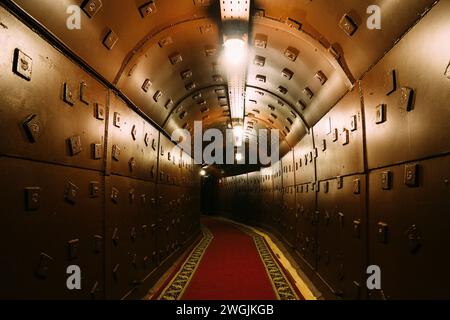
{"x":230,"y":263}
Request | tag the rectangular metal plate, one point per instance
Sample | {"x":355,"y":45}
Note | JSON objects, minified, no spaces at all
{"x":23,"y":64}
{"x":97,"y":151}
{"x":75,"y":145}
{"x":32,"y":198}
{"x":83,"y":93}
{"x":110,"y":40}
{"x":411,"y":175}
{"x":33,"y":127}
{"x":68,"y":94}
{"x":92,"y":7}
{"x":99,"y":111}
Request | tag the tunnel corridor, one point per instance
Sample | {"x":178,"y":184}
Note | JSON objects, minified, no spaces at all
{"x":225,"y":150}
{"x":232,"y":262}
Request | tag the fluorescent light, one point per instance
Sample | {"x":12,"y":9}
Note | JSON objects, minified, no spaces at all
{"x":235,"y":52}
{"x":238,"y":133}
{"x":235,"y":17}
{"x":235,"y":58}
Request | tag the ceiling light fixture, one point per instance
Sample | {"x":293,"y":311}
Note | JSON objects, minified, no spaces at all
{"x":238,"y":134}
{"x":235,"y":22}
{"x":235,"y":52}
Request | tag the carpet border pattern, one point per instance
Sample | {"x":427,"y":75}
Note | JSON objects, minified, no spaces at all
{"x":280,"y":284}
{"x":175,"y":289}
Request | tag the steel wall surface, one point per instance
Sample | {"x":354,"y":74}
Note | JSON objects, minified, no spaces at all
{"x":372,"y":177}
{"x":50,"y":224}
{"x":304,"y":158}
{"x":406,"y":95}
{"x":410,"y":225}
{"x":341,"y":210}
{"x":81,"y":167}
{"x":338,"y":139}
{"x":41,"y":108}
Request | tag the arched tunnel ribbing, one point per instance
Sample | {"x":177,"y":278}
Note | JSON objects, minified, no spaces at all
{"x":91,"y":92}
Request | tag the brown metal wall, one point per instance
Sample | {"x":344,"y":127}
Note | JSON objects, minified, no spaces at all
{"x":80,"y":181}
{"x":89,"y":181}
{"x":372,"y":178}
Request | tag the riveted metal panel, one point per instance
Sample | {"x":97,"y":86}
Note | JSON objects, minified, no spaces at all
{"x":404,"y":134}
{"x":266,"y":195}
{"x":342,"y":236}
{"x":321,"y":19}
{"x":41,"y":243}
{"x":189,"y":50}
{"x":169,"y":213}
{"x":37,"y":121}
{"x":287,"y":215}
{"x":288,"y":168}
{"x":283,"y":49}
{"x":410,"y":225}
{"x":169,"y":155}
{"x":141,"y":23}
{"x":133,"y":143}
{"x":129,"y":235}
{"x":306,"y":244}
{"x":345,"y":155}
{"x":253,"y":212}
{"x":304,"y":160}
{"x":277,"y":175}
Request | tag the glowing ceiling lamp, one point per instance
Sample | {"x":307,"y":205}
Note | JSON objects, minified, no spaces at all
{"x":235,"y":20}
{"x":238,"y":134}
{"x":235,"y":52}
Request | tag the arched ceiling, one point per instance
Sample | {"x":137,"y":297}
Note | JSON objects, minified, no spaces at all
{"x":166,"y":55}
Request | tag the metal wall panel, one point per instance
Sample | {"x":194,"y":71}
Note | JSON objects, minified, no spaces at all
{"x":304,"y":160}
{"x":409,"y":230}
{"x":277,"y":178}
{"x":168,"y":212}
{"x":39,"y":124}
{"x":288,"y":219}
{"x":288,"y":168}
{"x":167,"y":66}
{"x":341,"y":207}
{"x":131,"y":208}
{"x":306,"y":225}
{"x":169,"y":154}
{"x":54,"y":115}
{"x":49,"y":224}
{"x":254,"y":198}
{"x":277,"y":175}
{"x":352,"y":211}
{"x":266,"y":195}
{"x":339,"y":139}
{"x":133,"y":143}
{"x":411,"y":119}
{"x":88,"y":42}
{"x":322,"y":19}
{"x":284,"y":75}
